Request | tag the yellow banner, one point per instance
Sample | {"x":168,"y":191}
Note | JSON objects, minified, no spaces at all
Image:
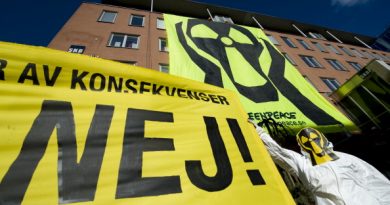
{"x":243,"y":59}
{"x":82,"y":130}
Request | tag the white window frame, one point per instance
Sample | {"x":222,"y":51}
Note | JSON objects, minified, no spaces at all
{"x":160,"y":24}
{"x":367,"y":54}
{"x":272,"y":39}
{"x":123,"y":43}
{"x":319,"y":46}
{"x":289,"y":42}
{"x":311,"y":61}
{"x":357,"y":53}
{"x":346,"y":51}
{"x":332,"y":48}
{"x":163,"y":68}
{"x":355,"y":65}
{"x":160,"y":46}
{"x":336,"y":64}
{"x":304,"y":44}
{"x":138,"y":16}
{"x":106,"y":11}
{"x":332,"y":83}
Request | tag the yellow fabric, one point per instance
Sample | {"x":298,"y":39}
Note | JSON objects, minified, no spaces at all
{"x":47,"y":92}
{"x":194,"y":46}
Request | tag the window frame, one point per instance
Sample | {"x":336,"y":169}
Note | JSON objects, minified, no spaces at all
{"x":136,"y":15}
{"x":124,"y":41}
{"x":311,"y":61}
{"x":304,"y":44}
{"x":162,"y":65}
{"x":345,"y":50}
{"x":100,"y":19}
{"x":163,"y":23}
{"x":333,"y":49}
{"x":357,"y":53}
{"x":330,"y":83}
{"x":272,"y":39}
{"x":288,"y":42}
{"x":355,"y":65}
{"x":336,"y":64}
{"x":320,"y":47}
{"x":160,"y":47}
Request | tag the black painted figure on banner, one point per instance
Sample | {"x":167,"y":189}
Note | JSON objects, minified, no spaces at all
{"x":334,"y":178}
{"x":275,"y":81}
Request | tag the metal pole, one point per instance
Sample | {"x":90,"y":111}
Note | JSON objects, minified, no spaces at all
{"x":299,"y":30}
{"x":151,"y":6}
{"x":211,"y":16}
{"x":362,"y":42}
{"x":257,"y":22}
{"x":333,"y":36}
{"x":361,"y":109}
{"x":376,"y":98}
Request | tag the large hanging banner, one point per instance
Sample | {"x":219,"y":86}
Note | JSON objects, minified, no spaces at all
{"x":242,"y":59}
{"x":82,"y":130}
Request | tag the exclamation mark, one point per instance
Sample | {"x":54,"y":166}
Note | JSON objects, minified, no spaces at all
{"x":253,"y":174}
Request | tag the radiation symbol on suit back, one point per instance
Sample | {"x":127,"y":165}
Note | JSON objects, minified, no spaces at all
{"x":221,"y":49}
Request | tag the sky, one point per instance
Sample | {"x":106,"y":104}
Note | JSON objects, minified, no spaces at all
{"x":36,"y":22}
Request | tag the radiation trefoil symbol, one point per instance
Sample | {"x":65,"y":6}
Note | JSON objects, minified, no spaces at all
{"x":215,"y":39}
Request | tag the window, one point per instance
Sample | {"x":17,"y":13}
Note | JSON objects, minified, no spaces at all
{"x":355,"y":65}
{"x":272,"y":39}
{"x":317,"y":36}
{"x":311,"y":61}
{"x":108,"y":16}
{"x":333,"y":49}
{"x":289,"y":58}
{"x":332,"y":83}
{"x":136,"y":20}
{"x":162,"y":44}
{"x":223,"y":19}
{"x":288,"y":42}
{"x":124,"y":41}
{"x":357,"y":53}
{"x":160,"y":23}
{"x":320,"y":47}
{"x":348,"y":52}
{"x":76,"y":49}
{"x":304,"y":44}
{"x":336,"y":64}
{"x":367,"y":54}
{"x":377,"y":56}
{"x":164,"y":68}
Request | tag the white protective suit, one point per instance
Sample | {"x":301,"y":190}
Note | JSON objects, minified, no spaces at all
{"x":345,"y":181}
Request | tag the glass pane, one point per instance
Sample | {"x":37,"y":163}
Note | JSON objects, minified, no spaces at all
{"x":131,"y":42}
{"x":117,"y":40}
{"x":273,"y":40}
{"x":108,"y":16}
{"x":164,"y":68}
{"x":160,"y":24}
{"x":289,"y":42}
{"x":137,"y":21}
{"x":163,"y":45}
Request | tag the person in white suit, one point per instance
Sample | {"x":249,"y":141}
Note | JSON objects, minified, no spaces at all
{"x":334,"y":178}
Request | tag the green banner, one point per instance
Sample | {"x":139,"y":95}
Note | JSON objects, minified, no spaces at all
{"x":242,"y":59}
